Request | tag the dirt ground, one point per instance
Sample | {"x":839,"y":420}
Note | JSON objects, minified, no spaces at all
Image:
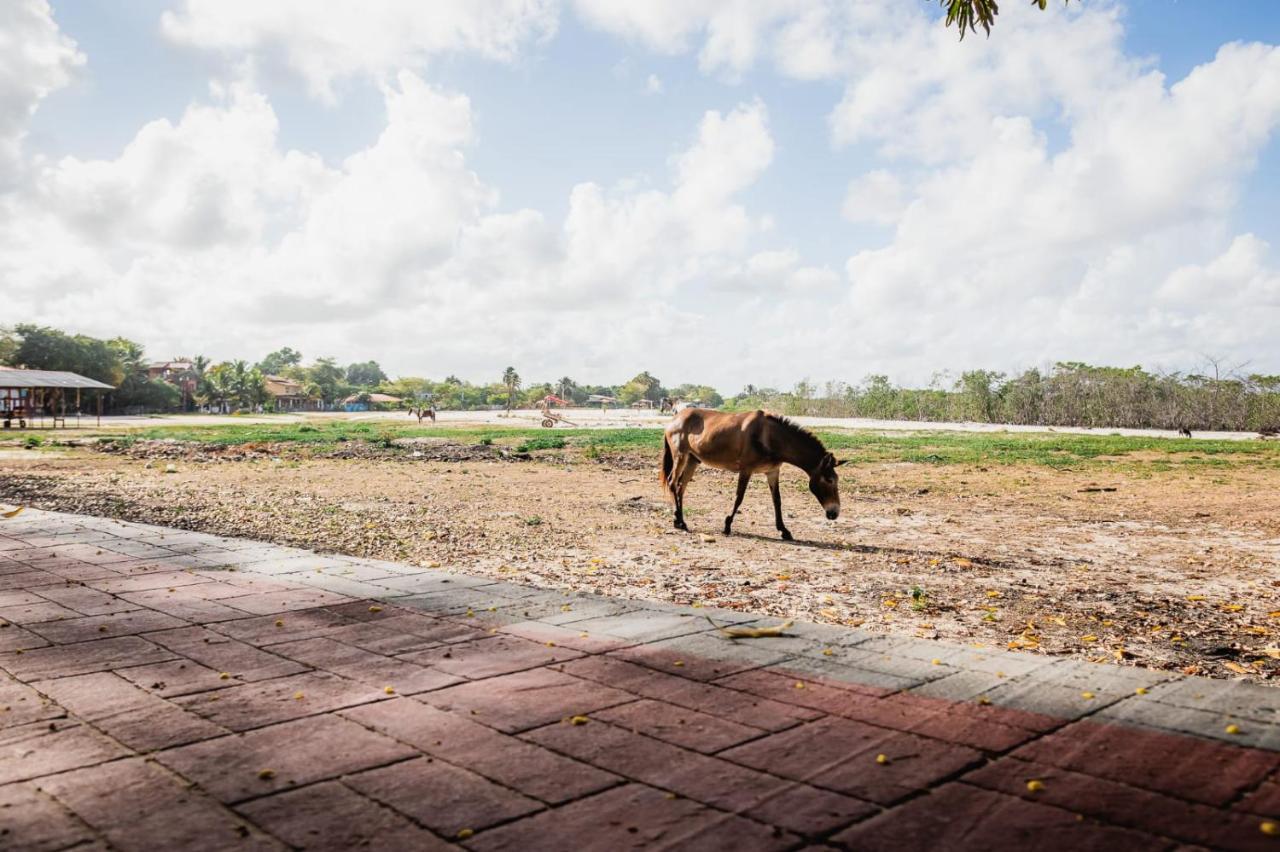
{"x":1177,"y":570}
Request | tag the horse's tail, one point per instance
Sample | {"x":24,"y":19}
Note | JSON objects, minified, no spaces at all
{"x":668,"y":465}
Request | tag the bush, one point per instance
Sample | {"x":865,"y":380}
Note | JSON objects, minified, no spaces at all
{"x":542,"y":442}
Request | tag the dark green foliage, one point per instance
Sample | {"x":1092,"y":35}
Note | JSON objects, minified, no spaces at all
{"x":1070,"y":394}
{"x":365,"y":375}
{"x":277,"y":362}
{"x":968,"y":15}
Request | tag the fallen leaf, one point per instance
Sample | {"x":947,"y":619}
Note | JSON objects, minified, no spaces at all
{"x":12,"y":513}
{"x":751,"y":632}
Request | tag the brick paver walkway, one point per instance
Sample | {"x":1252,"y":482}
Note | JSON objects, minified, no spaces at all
{"x":170,"y":690}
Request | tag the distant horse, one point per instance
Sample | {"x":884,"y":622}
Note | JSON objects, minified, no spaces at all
{"x":428,"y":412}
{"x":749,"y":443}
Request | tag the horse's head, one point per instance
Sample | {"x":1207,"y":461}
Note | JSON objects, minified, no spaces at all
{"x":824,"y":482}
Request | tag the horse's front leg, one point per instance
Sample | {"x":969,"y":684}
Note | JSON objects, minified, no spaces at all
{"x":743,"y":479}
{"x":777,"y":505}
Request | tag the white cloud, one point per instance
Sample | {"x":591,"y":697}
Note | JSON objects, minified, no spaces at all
{"x":653,"y":85}
{"x":36,"y":59}
{"x":734,"y":33}
{"x":1023,"y":255}
{"x":399,"y":252}
{"x":1049,"y":194}
{"x":344,"y":38}
{"x":877,"y":196}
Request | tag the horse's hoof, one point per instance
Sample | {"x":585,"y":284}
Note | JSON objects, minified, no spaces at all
{"x":786,"y":536}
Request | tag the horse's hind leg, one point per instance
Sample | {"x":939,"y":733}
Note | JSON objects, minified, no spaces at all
{"x":743,"y":479}
{"x":777,"y":505}
{"x":686,"y":467}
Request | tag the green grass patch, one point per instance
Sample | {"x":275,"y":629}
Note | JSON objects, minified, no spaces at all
{"x":861,"y":447}
{"x":542,"y":442}
{"x":1047,"y":449}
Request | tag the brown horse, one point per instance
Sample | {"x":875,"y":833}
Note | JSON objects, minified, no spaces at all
{"x":423,"y":412}
{"x":749,"y":443}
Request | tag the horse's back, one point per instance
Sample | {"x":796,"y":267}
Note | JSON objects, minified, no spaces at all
{"x":717,"y":438}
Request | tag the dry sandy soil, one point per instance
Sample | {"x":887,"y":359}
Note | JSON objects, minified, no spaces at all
{"x":1178,"y":570}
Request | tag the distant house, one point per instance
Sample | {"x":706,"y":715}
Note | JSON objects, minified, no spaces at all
{"x":367,"y":401}
{"x":180,"y":374}
{"x":170,"y":371}
{"x":290,"y":395}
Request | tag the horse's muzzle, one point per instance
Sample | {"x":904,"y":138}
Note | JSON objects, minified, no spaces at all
{"x":832,"y":514}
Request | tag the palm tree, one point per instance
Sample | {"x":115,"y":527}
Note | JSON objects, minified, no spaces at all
{"x":567,"y":387}
{"x":511,"y":379}
{"x":219,"y":386}
{"x":191,"y":380}
{"x":968,"y":15}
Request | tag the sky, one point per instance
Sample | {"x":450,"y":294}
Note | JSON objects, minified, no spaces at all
{"x":715,"y":191}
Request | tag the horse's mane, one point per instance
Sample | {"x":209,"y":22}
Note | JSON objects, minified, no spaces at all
{"x":804,"y":436}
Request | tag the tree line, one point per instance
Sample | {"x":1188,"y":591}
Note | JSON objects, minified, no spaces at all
{"x":1066,"y":394}
{"x":511,"y":391}
{"x":235,"y":385}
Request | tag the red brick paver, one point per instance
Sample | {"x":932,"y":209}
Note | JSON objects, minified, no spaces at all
{"x":150,"y":698}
